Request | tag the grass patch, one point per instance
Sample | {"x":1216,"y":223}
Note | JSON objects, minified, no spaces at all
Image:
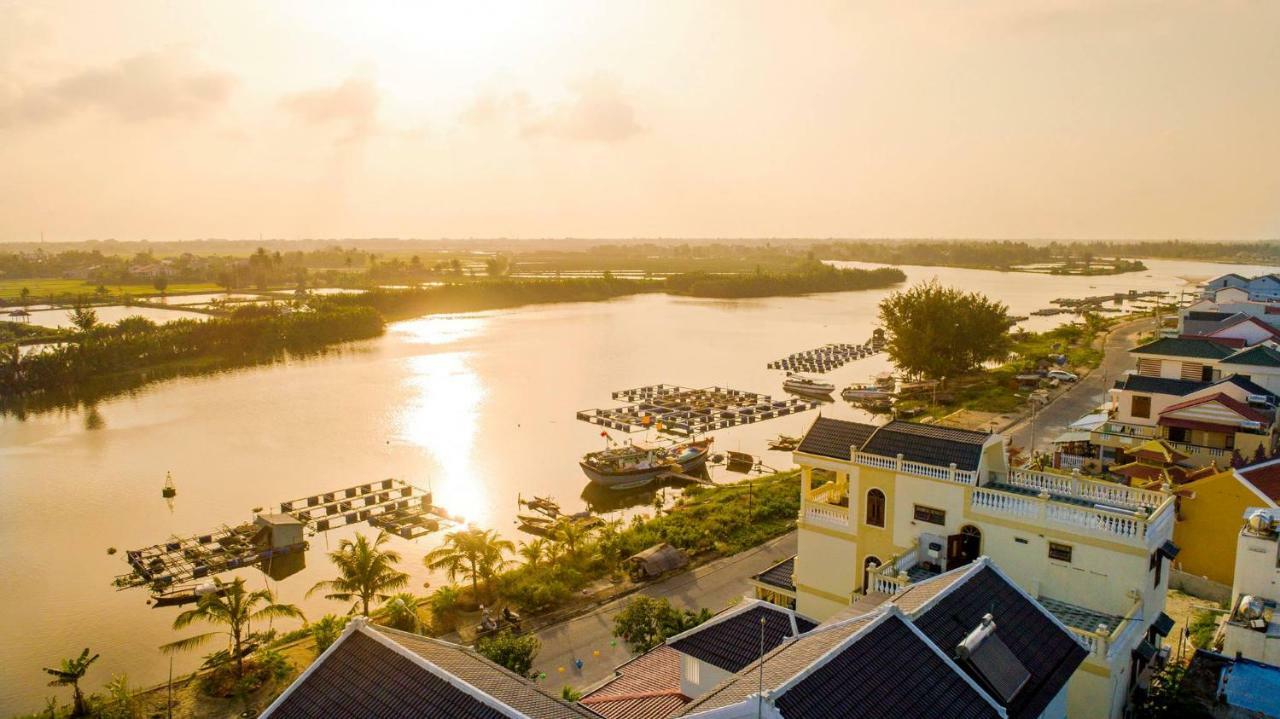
{"x":42,"y":289}
{"x":1201,"y":628}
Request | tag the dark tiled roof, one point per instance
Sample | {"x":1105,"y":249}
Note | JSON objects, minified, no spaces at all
{"x":1080,"y":617}
{"x":1208,"y":316}
{"x":1050,"y":654}
{"x":1247,"y":385}
{"x":888,"y":673}
{"x":780,"y":575}
{"x":1184,"y":347}
{"x":1256,"y":356}
{"x":833,"y":437}
{"x":364,"y":678}
{"x":928,"y":443}
{"x":1159,"y":385}
{"x":734,"y":642}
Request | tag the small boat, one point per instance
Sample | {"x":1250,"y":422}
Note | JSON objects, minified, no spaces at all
{"x":635,"y":465}
{"x":535,"y":524}
{"x":807,"y":386}
{"x":865,"y":392}
{"x":784,"y":443}
{"x":186,"y":594}
{"x":544,"y":505}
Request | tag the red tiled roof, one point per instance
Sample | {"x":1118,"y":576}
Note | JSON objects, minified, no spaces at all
{"x":647,"y":687}
{"x":1266,"y":477}
{"x":1227,"y":401}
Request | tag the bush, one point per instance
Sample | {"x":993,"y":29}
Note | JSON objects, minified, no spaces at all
{"x":515,"y":652}
{"x":326,"y":630}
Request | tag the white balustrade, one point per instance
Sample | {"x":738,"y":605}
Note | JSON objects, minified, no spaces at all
{"x":1092,"y":490}
{"x":826,"y":514}
{"x":1136,"y":528}
{"x":996,"y":502}
{"x":897,"y":464}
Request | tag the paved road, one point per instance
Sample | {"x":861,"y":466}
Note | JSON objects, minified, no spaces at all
{"x":1088,"y":393}
{"x":714,"y":586}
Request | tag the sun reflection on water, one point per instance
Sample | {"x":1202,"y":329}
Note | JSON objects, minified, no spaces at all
{"x":439,"y":330}
{"x":442,"y":417}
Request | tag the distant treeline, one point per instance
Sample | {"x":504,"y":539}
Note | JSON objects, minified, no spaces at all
{"x":987,"y":254}
{"x":810,"y":277}
{"x":103,"y":358}
{"x":490,"y":294}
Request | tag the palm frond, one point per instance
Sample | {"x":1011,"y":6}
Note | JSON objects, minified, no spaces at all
{"x":192,"y":642}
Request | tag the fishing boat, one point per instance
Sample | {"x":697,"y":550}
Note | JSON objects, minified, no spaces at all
{"x":544,"y":505}
{"x":858,"y":392}
{"x":807,"y":386}
{"x":535,"y":524}
{"x":784,"y":443}
{"x":185,"y":594}
{"x":625,"y":466}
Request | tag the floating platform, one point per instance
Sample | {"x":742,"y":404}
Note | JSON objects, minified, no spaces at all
{"x":827,"y":357}
{"x":683,"y":411}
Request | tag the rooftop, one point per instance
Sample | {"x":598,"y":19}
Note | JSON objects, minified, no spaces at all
{"x":928,"y":444}
{"x":1184,"y":347}
{"x":1082,"y":618}
{"x":780,"y":575}
{"x":1241,"y":684}
{"x":1265,"y":477}
{"x":732,"y":640}
{"x":833,"y":437}
{"x":647,"y":687}
{"x":1256,"y":356}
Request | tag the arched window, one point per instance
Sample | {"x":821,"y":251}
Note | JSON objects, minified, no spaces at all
{"x":875,"y":508}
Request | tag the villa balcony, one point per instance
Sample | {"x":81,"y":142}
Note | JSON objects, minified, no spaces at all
{"x":898,"y":573}
{"x":823,"y":508}
{"x":920,"y":469}
{"x":1079,"y":505}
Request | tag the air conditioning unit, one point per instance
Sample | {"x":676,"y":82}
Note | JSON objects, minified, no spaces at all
{"x":1251,"y":424}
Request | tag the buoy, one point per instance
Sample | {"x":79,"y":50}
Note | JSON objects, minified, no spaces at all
{"x":560,"y":669}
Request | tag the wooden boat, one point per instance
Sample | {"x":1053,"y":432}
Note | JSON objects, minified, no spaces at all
{"x":186,"y":594}
{"x":544,"y":505}
{"x":807,"y":386}
{"x":634,"y":465}
{"x":865,"y":392}
{"x":535,"y":524}
{"x":784,"y":443}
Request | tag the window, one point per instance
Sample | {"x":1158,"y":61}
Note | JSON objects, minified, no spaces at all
{"x":930,"y":515}
{"x":1157,"y":563}
{"x":1140,"y":407}
{"x":875,"y":508}
{"x":1019,"y":540}
{"x":1060,"y":552}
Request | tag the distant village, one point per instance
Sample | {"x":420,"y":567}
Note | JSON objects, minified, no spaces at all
{"x":934,"y":578}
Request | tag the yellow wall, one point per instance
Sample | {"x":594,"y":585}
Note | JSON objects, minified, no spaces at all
{"x":1208,"y":524}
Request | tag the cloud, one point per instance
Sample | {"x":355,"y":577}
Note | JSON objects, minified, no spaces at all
{"x":140,"y":88}
{"x":596,"y":111}
{"x":353,"y":104}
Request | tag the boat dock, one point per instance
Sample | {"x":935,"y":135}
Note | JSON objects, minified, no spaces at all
{"x":392,"y":505}
{"x":827,"y":357}
{"x":684,"y":411}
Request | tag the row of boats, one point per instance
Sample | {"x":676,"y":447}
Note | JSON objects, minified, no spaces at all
{"x":810,"y":387}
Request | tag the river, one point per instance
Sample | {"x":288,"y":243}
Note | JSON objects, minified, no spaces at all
{"x":480,"y":407}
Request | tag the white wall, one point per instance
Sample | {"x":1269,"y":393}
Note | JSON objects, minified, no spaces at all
{"x":1256,"y":571}
{"x":698,"y":677}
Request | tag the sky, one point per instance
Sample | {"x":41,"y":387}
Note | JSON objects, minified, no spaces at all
{"x":1022,"y":119}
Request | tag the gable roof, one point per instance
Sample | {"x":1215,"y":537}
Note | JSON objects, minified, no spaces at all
{"x":1158,"y":385}
{"x":1255,"y":356}
{"x":1198,"y":348}
{"x":1039,"y":641}
{"x":647,"y":687}
{"x":832,"y":437}
{"x":732,"y":641}
{"x":377,"y":671}
{"x":1236,"y":406}
{"x":780,"y":575}
{"x":1242,"y":319}
{"x":929,"y":444}
{"x":1208,"y":315}
{"x":1265,"y":478}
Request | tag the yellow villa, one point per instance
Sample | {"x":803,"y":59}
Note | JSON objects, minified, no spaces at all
{"x":885,"y":507}
{"x":1209,"y":512}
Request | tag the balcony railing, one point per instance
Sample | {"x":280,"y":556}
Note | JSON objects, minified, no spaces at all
{"x":1092,"y":490}
{"x":1071,"y":461}
{"x":826,"y":514}
{"x":1128,"y":429}
{"x":1136,"y":527}
{"x":1103,"y":647}
{"x":920,"y":469}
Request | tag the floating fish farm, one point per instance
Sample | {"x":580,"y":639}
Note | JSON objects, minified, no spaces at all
{"x":825,"y":358}
{"x":391,"y":504}
{"x":684,"y":411}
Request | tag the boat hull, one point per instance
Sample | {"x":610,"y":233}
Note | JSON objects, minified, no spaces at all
{"x":809,"y":390}
{"x":633,"y":478}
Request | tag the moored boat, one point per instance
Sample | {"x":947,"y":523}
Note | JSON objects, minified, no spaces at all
{"x":807,"y":386}
{"x":624,"y":466}
{"x":865,"y":392}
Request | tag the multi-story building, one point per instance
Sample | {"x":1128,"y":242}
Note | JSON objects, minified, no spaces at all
{"x":1264,"y":288}
{"x":885,"y":507}
{"x":1252,"y":629}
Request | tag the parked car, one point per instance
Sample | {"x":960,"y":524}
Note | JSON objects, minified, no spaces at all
{"x":1062,"y":375}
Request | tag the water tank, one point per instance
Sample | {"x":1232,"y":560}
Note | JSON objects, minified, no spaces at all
{"x":1250,"y":607}
{"x":1259,"y":522}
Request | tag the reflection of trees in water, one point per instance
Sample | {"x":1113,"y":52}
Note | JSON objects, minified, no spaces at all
{"x":93,"y":418}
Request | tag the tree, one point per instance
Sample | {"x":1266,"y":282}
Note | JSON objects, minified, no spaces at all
{"x":570,"y":533}
{"x":365,"y":572}
{"x":646,"y":622}
{"x":1169,"y":697}
{"x":83,"y":317}
{"x":939,"y":331}
{"x":511,"y":651}
{"x":402,"y":613}
{"x":325,"y":631}
{"x":69,"y":673}
{"x":534,"y":552}
{"x":161,"y":283}
{"x":235,"y":608}
{"x":473,"y":554}
{"x":25,"y":296}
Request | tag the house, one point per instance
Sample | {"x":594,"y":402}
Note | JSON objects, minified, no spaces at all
{"x":1231,"y":279}
{"x":1260,"y":364}
{"x":883,"y":508}
{"x":1236,"y":330}
{"x":1208,"y":511}
{"x":967,"y":643}
{"x":1252,"y":628}
{"x":376,"y":671}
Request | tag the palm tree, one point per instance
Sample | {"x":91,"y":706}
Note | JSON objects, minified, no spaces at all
{"x":402,"y":612}
{"x":473,"y":553}
{"x":234,"y":607}
{"x":365,"y":572}
{"x":570,"y":533}
{"x":69,"y":674}
{"x":534,"y":552}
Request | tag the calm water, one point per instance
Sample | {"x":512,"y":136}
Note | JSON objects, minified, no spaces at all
{"x":480,"y":407}
{"x":109,"y":314}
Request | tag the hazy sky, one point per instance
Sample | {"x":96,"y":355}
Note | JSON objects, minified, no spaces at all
{"x":173,"y":120}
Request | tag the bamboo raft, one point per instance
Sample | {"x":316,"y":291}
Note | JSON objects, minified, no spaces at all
{"x":685,"y":412}
{"x":827,"y":357}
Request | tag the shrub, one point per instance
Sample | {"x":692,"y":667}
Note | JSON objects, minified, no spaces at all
{"x":515,"y":652}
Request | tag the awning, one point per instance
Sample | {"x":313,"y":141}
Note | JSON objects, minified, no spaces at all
{"x":1145,"y":651}
{"x":1163,"y":624}
{"x":1089,"y":421}
{"x":1072,"y":436}
{"x":1169,"y":549}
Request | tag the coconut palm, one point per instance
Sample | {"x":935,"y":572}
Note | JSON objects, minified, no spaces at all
{"x":69,"y":674}
{"x":472,"y":553}
{"x":366,"y":572}
{"x":236,"y":608}
{"x":534,"y":552}
{"x":402,"y":612}
{"x":571,"y":534}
